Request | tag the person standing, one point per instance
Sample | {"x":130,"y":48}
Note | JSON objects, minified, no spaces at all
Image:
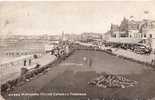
{"x":89,"y":62}
{"x":85,"y":61}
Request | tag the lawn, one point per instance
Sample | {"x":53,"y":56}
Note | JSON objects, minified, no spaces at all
{"x":72,"y":75}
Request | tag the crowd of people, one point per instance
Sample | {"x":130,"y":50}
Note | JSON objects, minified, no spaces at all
{"x":137,"y":48}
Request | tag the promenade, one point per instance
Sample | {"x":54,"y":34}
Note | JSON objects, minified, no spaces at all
{"x":12,"y":72}
{"x":138,"y":57}
{"x":145,"y":58}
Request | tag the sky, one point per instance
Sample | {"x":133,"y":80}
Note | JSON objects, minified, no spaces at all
{"x":36,"y":18}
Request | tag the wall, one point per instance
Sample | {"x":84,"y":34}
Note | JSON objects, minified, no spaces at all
{"x":12,"y":68}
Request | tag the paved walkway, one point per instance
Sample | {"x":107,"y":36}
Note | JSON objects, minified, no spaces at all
{"x":130,"y":54}
{"x":14,"y":72}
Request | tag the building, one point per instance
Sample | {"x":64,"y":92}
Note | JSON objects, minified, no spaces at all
{"x":115,"y":29}
{"x":127,"y":32}
{"x":133,"y":25}
{"x":19,"y":45}
{"x":134,"y":29}
{"x":124,"y":25}
{"x":107,"y":35}
{"x":124,"y":28}
{"x":89,"y":36}
{"x":148,"y":31}
{"x":134,"y":34}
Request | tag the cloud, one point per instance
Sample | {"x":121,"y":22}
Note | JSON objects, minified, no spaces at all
{"x":73,"y":17}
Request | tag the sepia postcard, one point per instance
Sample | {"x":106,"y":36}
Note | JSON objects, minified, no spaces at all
{"x":77,"y":50}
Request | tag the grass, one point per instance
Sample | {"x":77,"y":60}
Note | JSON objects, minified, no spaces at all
{"x":67,"y":77}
